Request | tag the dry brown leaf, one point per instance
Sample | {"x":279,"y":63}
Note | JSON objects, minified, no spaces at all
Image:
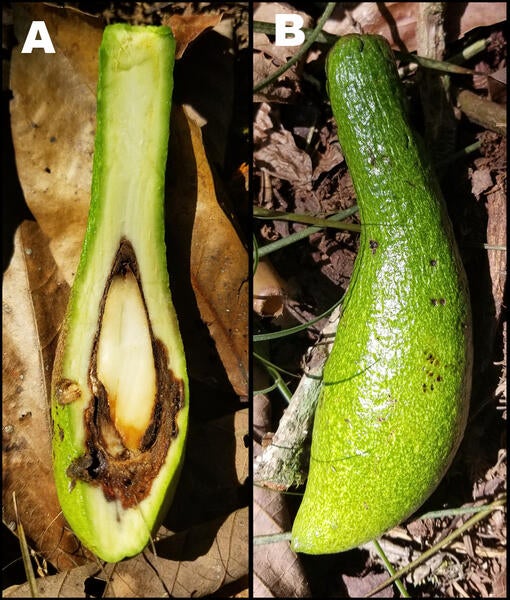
{"x":358,"y":587}
{"x":241,"y":429}
{"x":62,"y":585}
{"x":219,"y":273}
{"x":225,"y":561}
{"x":53,"y":122}
{"x":276,"y":151}
{"x":277,"y":570}
{"x":396,"y":21}
{"x":210,"y":551}
{"x":330,"y":158}
{"x":147,"y":576}
{"x":268,"y":57}
{"x":187,"y":28}
{"x":218,"y":261}
{"x":34,"y":300}
{"x":269,"y":290}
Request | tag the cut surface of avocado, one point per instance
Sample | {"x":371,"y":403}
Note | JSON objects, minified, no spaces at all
{"x":125,"y":361}
{"x":119,"y":397}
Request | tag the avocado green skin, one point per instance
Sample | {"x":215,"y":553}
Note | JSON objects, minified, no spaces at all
{"x":128,"y":180}
{"x":397,"y":383}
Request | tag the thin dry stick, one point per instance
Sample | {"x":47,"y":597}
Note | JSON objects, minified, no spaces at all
{"x":29,"y":571}
{"x":265,"y":213}
{"x":445,"y":542}
{"x":482,"y":111}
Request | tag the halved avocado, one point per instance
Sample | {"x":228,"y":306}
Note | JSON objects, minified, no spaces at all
{"x":119,"y":398}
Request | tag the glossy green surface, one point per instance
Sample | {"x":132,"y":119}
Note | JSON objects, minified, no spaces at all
{"x":133,"y":115}
{"x":396,"y":386}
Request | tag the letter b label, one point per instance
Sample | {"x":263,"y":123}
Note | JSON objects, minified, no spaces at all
{"x":288,"y":30}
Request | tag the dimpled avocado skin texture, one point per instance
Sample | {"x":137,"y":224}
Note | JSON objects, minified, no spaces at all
{"x":396,"y":386}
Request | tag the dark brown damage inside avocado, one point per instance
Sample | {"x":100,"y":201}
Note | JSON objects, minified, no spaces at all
{"x":125,"y":474}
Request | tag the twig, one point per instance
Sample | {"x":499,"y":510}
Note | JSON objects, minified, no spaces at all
{"x":481,"y":111}
{"x":390,"y":569}
{"x":300,"y":235}
{"x":29,"y":571}
{"x":275,"y":373}
{"x":272,"y":538}
{"x":435,"y":65}
{"x":265,"y":337}
{"x":440,"y":122}
{"x":264,"y":213}
{"x":330,"y":7}
{"x":445,"y":542}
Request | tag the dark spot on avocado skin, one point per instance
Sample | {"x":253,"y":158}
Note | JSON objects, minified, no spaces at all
{"x":436,"y":301}
{"x":431,"y":373}
{"x":430,"y":356}
{"x":433,"y":262}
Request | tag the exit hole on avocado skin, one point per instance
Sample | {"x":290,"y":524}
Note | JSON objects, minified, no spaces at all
{"x":436,"y":301}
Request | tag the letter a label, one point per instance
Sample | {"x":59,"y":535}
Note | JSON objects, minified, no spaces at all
{"x":38,"y":28}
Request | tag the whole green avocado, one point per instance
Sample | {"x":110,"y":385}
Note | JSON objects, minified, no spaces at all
{"x":397,"y":384}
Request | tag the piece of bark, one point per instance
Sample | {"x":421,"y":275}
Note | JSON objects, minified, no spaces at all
{"x":496,"y":237}
{"x":483,"y":112}
{"x":440,"y":122}
{"x":284,"y":463}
